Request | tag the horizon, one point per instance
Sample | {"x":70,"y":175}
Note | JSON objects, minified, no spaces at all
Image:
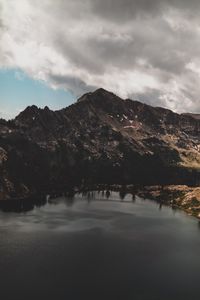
{"x":76,"y":100}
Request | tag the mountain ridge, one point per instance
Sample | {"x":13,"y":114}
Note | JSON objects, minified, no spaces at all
{"x":98,"y":91}
{"x":102,"y":139}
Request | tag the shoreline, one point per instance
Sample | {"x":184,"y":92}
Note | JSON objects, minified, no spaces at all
{"x":181,"y":197}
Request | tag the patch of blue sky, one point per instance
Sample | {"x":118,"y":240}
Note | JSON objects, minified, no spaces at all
{"x":17,"y":91}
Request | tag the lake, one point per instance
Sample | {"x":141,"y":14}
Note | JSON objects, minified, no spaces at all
{"x":93,"y":247}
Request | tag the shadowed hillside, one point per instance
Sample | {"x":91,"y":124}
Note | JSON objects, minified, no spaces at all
{"x":99,"y":139}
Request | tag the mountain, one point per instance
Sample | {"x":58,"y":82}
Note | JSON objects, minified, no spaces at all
{"x":99,"y":139}
{"x":196,"y":116}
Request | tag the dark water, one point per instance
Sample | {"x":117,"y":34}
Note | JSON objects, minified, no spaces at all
{"x":95,"y":248}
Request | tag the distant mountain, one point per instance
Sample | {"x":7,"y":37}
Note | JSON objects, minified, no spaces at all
{"x":99,"y":139}
{"x":195,"y":116}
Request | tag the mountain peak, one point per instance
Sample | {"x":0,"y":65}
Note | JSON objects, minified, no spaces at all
{"x":101,"y":91}
{"x":30,"y":112}
{"x":32,"y":108}
{"x":97,"y":94}
{"x":46,"y":108}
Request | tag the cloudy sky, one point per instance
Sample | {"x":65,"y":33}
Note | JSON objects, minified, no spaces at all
{"x":52,"y":51}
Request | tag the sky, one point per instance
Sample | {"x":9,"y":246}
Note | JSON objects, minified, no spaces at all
{"x":17,"y":91}
{"x":52,"y":52}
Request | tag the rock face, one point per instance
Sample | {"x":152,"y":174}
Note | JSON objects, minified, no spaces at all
{"x":178,"y":196}
{"x":99,"y":139}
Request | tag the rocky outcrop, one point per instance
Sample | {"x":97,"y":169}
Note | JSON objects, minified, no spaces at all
{"x":181,"y":196}
{"x":99,"y":139}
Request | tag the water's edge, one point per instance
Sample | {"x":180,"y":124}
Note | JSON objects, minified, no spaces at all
{"x":177,"y":196}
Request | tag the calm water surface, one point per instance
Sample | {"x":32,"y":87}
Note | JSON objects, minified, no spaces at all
{"x":91,"y":247}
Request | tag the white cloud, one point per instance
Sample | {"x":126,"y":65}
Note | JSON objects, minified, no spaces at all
{"x":145,"y":50}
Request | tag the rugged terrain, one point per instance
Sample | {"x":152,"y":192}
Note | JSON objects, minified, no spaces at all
{"x":177,"y":196}
{"x":99,"y":139}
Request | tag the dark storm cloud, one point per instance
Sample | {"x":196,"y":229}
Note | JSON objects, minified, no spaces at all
{"x":151,"y":97}
{"x":125,"y":10}
{"x":148,"y":49}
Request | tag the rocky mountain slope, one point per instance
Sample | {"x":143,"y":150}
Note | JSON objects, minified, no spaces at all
{"x":99,"y":139}
{"x":196,"y":116}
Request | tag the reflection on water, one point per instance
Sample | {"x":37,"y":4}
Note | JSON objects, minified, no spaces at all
{"x":22,"y":205}
{"x":97,"y":245}
{"x":25,"y":205}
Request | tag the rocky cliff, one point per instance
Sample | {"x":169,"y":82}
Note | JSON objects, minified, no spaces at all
{"x":99,"y":139}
